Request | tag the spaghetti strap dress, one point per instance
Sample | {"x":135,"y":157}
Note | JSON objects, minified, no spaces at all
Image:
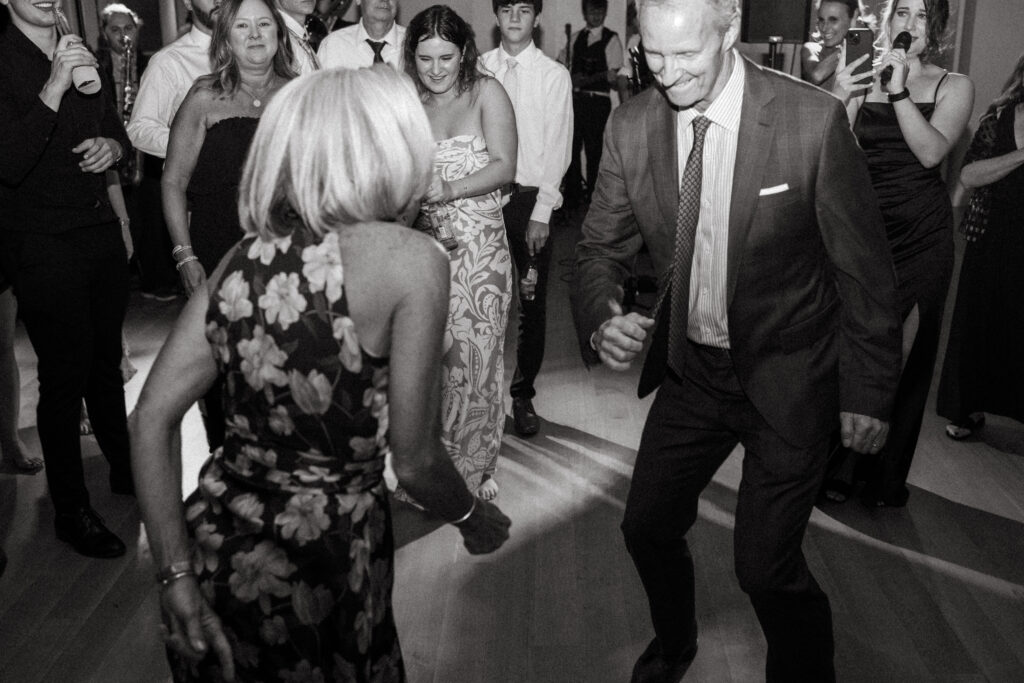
{"x":919,"y":224}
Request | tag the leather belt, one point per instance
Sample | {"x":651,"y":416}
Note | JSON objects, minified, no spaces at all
{"x":592,"y":93}
{"x":512,"y":189}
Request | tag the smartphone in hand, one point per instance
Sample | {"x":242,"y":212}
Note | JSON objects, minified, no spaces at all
{"x":859,"y":42}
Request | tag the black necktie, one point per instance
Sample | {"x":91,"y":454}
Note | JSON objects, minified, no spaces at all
{"x":682,"y":255}
{"x":377,"y":46}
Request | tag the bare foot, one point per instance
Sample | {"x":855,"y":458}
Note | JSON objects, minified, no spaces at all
{"x":22,"y":462}
{"x":488,"y":489}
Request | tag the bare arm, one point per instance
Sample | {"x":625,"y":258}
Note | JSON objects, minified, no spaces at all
{"x":931,"y":139}
{"x":183,"y":372}
{"x":188,"y":131}
{"x":988,"y":171}
{"x":416,"y":274}
{"x":813,"y":68}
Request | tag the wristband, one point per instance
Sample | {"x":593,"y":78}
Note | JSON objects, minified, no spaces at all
{"x":174,"y":571}
{"x":463,"y":518}
{"x":902,"y":95}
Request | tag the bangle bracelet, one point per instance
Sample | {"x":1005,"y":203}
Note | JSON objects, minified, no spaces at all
{"x":178,"y":248}
{"x":463,"y":518}
{"x":173,"y":572}
{"x":183,"y":261}
{"x":902,"y":95}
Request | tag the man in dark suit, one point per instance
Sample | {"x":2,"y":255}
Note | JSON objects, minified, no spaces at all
{"x":776,"y":319}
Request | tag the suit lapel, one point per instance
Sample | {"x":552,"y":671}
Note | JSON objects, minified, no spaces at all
{"x":661,"y":146}
{"x":757,"y":127}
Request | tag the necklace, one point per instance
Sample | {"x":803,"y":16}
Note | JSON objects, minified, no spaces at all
{"x":257,"y":97}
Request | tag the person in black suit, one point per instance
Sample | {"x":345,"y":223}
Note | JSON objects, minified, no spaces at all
{"x":61,"y":247}
{"x":776,"y":321}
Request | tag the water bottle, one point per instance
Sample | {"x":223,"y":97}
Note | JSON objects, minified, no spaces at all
{"x":85,"y":78}
{"x":528,"y":285}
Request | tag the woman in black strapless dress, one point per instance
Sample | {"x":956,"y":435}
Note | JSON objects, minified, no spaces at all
{"x":209,"y":141}
{"x":906,"y":127}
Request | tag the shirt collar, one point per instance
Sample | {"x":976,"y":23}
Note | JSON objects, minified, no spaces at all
{"x":725,"y":110}
{"x":391,"y":37}
{"x":198,"y":37}
{"x":293,"y":26}
{"x":525,"y":58}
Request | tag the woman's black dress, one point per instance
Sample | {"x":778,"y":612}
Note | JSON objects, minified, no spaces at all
{"x":984,"y":366}
{"x":213,"y":189}
{"x":919,"y":224}
{"x":214,"y":227}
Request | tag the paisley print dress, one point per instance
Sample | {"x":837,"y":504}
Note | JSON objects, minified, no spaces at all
{"x":472,"y":408}
{"x":290,"y":525}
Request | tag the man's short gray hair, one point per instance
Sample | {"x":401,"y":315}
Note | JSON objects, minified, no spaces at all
{"x":726,"y":11}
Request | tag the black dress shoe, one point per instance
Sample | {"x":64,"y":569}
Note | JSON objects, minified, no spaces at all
{"x":524,"y":418}
{"x":655,"y":667}
{"x":84,"y":530}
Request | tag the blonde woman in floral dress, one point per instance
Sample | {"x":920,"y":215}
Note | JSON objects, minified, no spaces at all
{"x":475,"y":129}
{"x":326,"y":327}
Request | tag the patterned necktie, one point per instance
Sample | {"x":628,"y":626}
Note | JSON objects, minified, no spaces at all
{"x":511,"y":80}
{"x":303,"y":42}
{"x":377,"y":46}
{"x":682,"y":255}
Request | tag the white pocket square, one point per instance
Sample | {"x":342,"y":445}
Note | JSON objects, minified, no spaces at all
{"x":775,"y":189}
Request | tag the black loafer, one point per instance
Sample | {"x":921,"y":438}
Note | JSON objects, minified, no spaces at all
{"x":84,"y":530}
{"x":524,"y":418}
{"x":653,"y":666}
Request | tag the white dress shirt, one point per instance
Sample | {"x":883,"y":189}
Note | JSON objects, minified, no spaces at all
{"x":165,"y":82}
{"x":348,"y":48}
{"x":708,"y":322}
{"x":543,"y":108}
{"x":303,"y":59}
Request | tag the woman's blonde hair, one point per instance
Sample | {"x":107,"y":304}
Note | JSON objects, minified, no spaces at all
{"x":337,"y":147}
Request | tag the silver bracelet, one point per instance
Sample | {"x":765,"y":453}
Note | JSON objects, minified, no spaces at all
{"x":183,"y":261}
{"x":463,"y":518}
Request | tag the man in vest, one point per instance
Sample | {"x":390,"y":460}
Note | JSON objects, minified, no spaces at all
{"x":594,"y":59}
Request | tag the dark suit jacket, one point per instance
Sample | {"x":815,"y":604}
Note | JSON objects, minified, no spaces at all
{"x":812,"y":316}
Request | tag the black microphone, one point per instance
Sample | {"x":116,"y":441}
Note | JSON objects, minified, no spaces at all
{"x":902,"y":42}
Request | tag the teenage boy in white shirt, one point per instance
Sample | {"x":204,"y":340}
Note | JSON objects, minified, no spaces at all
{"x":541,"y":92}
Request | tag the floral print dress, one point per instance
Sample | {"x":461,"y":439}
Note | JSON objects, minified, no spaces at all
{"x":290,"y":524}
{"x":472,"y":407}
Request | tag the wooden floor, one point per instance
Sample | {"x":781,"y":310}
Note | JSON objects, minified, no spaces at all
{"x":934,"y":592}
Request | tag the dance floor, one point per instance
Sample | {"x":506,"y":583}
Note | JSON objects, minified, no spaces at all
{"x":932,"y":592}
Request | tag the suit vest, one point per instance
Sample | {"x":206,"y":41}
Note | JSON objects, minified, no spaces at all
{"x":590,"y":59}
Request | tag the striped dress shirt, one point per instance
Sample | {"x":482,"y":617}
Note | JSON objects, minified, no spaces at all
{"x":708,"y":322}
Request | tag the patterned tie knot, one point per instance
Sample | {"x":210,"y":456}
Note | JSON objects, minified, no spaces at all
{"x":378,"y":47}
{"x":511,"y":63}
